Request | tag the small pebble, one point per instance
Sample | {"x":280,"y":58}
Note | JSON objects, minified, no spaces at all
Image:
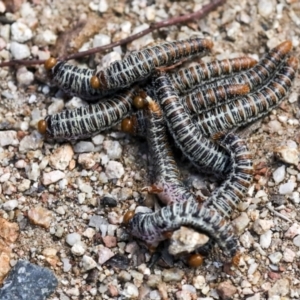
{"x":241,"y":222}
{"x":84,"y":146}
{"x":8,"y":137}
{"x":279,"y":174}
{"x":40,"y":216}
{"x":287,"y":188}
{"x":88,"y":263}
{"x":10,"y":205}
{"x":275,"y":257}
{"x":61,"y":157}
{"x":173,"y":274}
{"x":266,"y":239}
{"x":265,"y":8}
{"x":287,"y":154}
{"x":104,"y":254}
{"x":113,"y":149}
{"x":78,"y":248}
{"x":296,"y":241}
{"x":114,"y":169}
{"x":51,"y":177}
{"x":73,"y":238}
{"x":19,"y":51}
{"x":288,"y":255}
{"x":130,"y":291}
{"x":20,"y":32}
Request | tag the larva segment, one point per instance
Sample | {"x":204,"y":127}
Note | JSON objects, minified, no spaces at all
{"x":76,"y":81}
{"x":201,"y":151}
{"x":89,"y":120}
{"x":259,"y":74}
{"x":201,"y":100}
{"x":251,"y":107}
{"x":141,"y":64}
{"x":231,"y":191}
{"x":151,"y":227}
{"x":167,"y":185}
{"x":187,"y":79}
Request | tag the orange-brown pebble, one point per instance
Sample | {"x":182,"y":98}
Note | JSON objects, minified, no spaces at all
{"x":128,"y":216}
{"x":236,"y":259}
{"x":95,"y":82}
{"x":127,"y":125}
{"x":195,"y":260}
{"x":50,"y":63}
{"x":42,"y":126}
{"x":138,"y":102}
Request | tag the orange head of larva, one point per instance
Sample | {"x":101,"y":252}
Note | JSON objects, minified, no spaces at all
{"x":127,"y":125}
{"x":95,"y":82}
{"x":195,"y":260}
{"x":42,"y":126}
{"x":50,"y":63}
{"x":138,"y":102}
{"x":128,"y":216}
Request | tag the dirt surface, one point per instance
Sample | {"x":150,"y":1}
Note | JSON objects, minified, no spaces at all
{"x":47,"y":210}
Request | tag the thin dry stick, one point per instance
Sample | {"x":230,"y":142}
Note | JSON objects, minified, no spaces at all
{"x":199,"y":14}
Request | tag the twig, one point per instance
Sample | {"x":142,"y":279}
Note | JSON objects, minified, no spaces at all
{"x":199,"y":14}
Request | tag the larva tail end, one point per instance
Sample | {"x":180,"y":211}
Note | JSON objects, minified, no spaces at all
{"x":208,"y":44}
{"x":127,"y":217}
{"x":217,"y":136}
{"x":241,"y":89}
{"x":42,"y":126}
{"x":152,"y":189}
{"x":293,"y":62}
{"x":50,"y":63}
{"x":251,"y":61}
{"x":95,"y":82}
{"x":195,"y":260}
{"x":284,"y":47}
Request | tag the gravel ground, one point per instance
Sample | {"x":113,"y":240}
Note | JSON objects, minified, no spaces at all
{"x":62,"y":204}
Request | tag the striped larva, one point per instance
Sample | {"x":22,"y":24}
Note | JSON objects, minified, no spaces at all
{"x":139,"y":65}
{"x":201,"y":151}
{"x":167,"y":186}
{"x":254,"y":77}
{"x":248,"y":108}
{"x":233,"y":189}
{"x":186,"y":79}
{"x":152,"y":227}
{"x":87,"y":121}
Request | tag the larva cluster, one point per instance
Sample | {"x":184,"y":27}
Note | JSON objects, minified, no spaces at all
{"x":193,"y":104}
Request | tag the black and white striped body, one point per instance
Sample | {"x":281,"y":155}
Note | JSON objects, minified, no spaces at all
{"x":86,"y":121}
{"x":75,"y":81}
{"x":201,"y":151}
{"x":206,"y":218}
{"x":139,"y":65}
{"x":187,"y":79}
{"x":251,"y":107}
{"x":256,"y":76}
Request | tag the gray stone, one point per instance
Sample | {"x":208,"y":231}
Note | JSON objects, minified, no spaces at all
{"x":28,"y":281}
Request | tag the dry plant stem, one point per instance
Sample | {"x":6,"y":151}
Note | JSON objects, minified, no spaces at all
{"x":199,"y":14}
